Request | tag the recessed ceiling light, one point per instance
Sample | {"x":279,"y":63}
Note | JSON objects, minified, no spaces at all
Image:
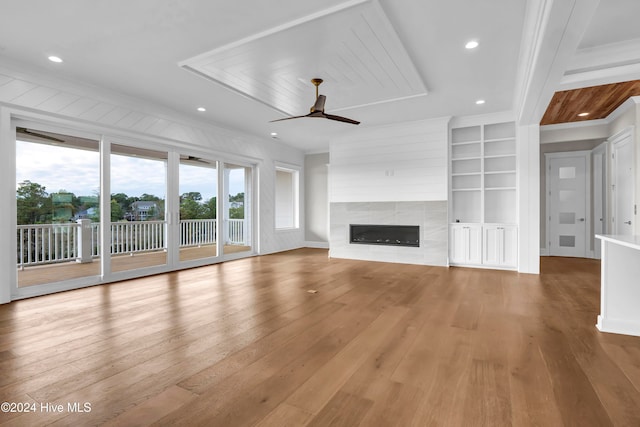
{"x":53,"y":58}
{"x":480,"y":101}
{"x":471,"y":44}
{"x":274,"y":134}
{"x":583,"y":114}
{"x":202,"y":109}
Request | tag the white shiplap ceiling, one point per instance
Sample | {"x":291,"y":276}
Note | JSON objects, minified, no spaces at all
{"x":352,"y":47}
{"x":135,"y":48}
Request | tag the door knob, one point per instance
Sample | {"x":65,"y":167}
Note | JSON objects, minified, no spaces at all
{"x":581,"y":219}
{"x":628,"y":222}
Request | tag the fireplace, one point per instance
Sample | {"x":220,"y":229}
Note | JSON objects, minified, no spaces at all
{"x":390,"y":235}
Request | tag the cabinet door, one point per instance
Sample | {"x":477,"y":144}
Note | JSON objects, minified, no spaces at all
{"x":500,"y":245}
{"x":465,"y":244}
{"x":510,"y":246}
{"x":474,"y":242}
{"x":493,"y":245}
{"x":457,"y":244}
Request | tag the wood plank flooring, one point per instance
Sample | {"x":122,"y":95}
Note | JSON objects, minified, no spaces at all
{"x":42,"y":274}
{"x":243,"y":343}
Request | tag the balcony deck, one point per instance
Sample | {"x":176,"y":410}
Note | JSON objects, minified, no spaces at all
{"x":41,"y":274}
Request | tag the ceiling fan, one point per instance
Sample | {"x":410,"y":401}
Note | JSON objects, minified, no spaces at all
{"x":194,"y":159}
{"x":317,"y":110}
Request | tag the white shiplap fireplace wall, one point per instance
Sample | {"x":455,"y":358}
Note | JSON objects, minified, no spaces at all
{"x":391,"y":175}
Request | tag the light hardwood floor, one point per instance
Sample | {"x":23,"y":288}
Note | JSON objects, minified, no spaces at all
{"x":244,"y":343}
{"x":42,"y":274}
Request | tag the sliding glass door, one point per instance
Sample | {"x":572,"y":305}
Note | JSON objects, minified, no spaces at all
{"x":162,"y":210}
{"x":138,"y":223}
{"x":237,"y":209}
{"x":57,"y":200}
{"x":198,"y":208}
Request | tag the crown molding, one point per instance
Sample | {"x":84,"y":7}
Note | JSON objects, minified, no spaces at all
{"x":551,"y":35}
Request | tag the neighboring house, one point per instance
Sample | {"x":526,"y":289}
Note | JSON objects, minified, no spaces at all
{"x":86,"y":213}
{"x":236,"y":204}
{"x":143,"y":211}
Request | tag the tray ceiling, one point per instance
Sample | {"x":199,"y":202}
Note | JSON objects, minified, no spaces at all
{"x":597,"y":101}
{"x":353,"y":47}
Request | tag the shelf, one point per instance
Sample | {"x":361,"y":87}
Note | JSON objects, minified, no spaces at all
{"x":466,"y":142}
{"x":510,"y":138}
{"x":466,"y":134}
{"x":466,"y":174}
{"x":498,"y":156}
{"x":473,"y":166}
{"x":482,"y":175}
{"x":466,"y":150}
{"x":499,"y":131}
{"x":467,"y":158}
{"x":499,"y":164}
{"x":500,"y":172}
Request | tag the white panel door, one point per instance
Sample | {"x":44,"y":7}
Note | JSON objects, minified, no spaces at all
{"x":623,"y":186}
{"x":567,"y":204}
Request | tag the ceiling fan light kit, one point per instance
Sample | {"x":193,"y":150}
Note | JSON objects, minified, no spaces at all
{"x":317,"y":110}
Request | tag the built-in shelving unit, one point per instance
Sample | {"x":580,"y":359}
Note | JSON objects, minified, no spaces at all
{"x":483,"y":193}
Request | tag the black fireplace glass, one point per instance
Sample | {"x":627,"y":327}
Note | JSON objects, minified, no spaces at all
{"x":392,"y":235}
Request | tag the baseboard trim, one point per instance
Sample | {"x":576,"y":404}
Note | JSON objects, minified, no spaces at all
{"x":317,"y":245}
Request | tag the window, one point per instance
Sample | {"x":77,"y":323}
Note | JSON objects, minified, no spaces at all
{"x":287,"y":198}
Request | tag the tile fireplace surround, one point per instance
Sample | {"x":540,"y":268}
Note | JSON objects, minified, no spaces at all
{"x":430,"y":216}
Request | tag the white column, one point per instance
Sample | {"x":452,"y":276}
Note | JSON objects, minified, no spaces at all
{"x":225,"y":206}
{"x":105,"y":207}
{"x":84,"y":254}
{"x":528,"y":140}
{"x":8,"y":249}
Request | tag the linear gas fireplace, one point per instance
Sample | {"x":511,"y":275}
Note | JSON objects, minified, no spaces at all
{"x":391,"y":235}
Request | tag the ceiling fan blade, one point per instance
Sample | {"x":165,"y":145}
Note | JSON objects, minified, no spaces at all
{"x":319,"y":105}
{"x":287,"y":118}
{"x":317,"y":111}
{"x":341,"y":119}
{"x":38,"y":135}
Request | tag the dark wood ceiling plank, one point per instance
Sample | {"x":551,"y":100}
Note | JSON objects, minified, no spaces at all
{"x":598,"y":101}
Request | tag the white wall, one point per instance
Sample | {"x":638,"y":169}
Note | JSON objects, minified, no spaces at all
{"x":316,"y":173}
{"x":400,"y":162}
{"x":26,"y":94}
{"x":391,"y":175}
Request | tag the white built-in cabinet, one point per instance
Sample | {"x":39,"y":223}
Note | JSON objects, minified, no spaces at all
{"x":483,"y":230}
{"x":465,"y":244}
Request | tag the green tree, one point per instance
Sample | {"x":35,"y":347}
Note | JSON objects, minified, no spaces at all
{"x":123,"y":201}
{"x":33,"y":203}
{"x":237,"y":198}
{"x":149,"y":198}
{"x":210,"y":208}
{"x":117,"y":213}
{"x":192,"y":195}
{"x":191,"y":209}
{"x":236,"y":213}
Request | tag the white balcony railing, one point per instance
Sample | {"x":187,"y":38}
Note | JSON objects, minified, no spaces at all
{"x":47,"y":243}
{"x":53,"y":243}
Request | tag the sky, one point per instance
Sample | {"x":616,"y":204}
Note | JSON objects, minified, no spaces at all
{"x":78,"y":171}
